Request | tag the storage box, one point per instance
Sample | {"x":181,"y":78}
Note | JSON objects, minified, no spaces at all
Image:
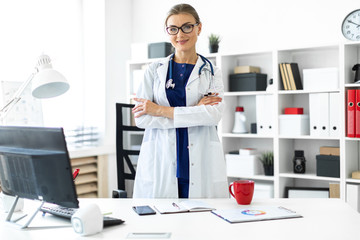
{"x":294,"y":124}
{"x":294,"y":111}
{"x":243,"y":166}
{"x":263,"y":190}
{"x":246,"y":69}
{"x":247,"y":82}
{"x":321,"y":78}
{"x":330,"y":151}
{"x":353,"y":196}
{"x":328,"y":166}
{"x":160,"y":49}
{"x":334,"y":190}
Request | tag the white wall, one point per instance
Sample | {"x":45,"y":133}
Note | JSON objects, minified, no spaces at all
{"x":250,"y":25}
{"x":117,"y":41}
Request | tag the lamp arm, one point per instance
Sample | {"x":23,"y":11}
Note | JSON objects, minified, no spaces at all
{"x":15,"y":98}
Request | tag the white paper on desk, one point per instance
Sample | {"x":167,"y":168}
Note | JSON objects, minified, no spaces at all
{"x":258,"y":213}
{"x":183,"y":206}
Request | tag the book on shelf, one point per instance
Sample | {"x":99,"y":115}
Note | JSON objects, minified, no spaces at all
{"x":286,"y":74}
{"x":290,"y":76}
{"x":296,"y":75}
{"x":183,"y":206}
{"x":282,"y":75}
{"x":255,"y":213}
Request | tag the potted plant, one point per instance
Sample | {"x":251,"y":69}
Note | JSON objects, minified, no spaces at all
{"x":267,"y":159}
{"x":214,"y":41}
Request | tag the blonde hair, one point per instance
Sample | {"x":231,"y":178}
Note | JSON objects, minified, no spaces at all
{"x":182,"y":8}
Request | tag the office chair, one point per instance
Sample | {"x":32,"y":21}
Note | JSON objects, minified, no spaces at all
{"x":122,"y":155}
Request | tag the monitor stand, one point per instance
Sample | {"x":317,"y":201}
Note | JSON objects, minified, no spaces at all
{"x":8,"y":218}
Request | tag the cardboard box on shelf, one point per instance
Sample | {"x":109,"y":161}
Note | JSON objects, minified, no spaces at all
{"x":246,"y":69}
{"x":330,"y":151}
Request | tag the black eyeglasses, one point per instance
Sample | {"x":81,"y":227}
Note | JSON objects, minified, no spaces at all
{"x":186,"y":28}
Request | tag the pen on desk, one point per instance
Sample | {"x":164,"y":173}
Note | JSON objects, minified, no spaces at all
{"x":175,"y":205}
{"x":76,"y":173}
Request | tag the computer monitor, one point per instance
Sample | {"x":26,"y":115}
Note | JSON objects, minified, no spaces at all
{"x":35,"y":164}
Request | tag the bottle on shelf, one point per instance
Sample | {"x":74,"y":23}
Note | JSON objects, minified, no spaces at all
{"x":240,"y":121}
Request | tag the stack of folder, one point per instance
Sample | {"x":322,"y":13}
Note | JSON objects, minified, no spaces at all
{"x":353,"y":113}
{"x":290,"y":76}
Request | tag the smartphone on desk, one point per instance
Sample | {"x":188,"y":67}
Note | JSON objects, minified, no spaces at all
{"x":144,"y":210}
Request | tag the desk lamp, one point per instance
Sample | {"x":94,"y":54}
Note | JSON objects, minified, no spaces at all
{"x":47,"y":83}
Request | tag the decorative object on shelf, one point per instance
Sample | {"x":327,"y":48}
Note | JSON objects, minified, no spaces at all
{"x":46,"y":83}
{"x":214,"y":41}
{"x":270,"y":87}
{"x":267,"y":159}
{"x":351,"y":26}
{"x":239,"y":121}
{"x":356,"y":68}
{"x":299,"y":161}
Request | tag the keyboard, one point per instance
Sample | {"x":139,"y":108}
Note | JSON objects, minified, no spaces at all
{"x":65,"y":212}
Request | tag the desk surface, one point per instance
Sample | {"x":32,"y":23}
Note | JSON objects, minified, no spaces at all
{"x":322,"y":219}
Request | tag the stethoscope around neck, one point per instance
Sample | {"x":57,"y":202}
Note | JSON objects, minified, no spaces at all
{"x":170,"y":83}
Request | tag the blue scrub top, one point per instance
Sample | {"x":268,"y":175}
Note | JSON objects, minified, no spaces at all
{"x":177,"y":98}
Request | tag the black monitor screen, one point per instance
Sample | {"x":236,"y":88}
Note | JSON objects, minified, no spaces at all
{"x":35,"y":164}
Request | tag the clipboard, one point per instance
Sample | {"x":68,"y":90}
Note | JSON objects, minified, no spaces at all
{"x":255,"y":213}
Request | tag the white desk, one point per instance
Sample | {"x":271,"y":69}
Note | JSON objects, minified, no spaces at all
{"x":322,"y":219}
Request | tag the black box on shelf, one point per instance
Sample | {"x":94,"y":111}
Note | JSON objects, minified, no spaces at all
{"x":159,"y":50}
{"x":247,"y":82}
{"x":328,"y":166}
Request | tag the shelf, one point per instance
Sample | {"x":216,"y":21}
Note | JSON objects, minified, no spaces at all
{"x":352,"y":139}
{"x":309,"y":137}
{"x":352,"y":180}
{"x":245,"y":135}
{"x":311,"y":176}
{"x":354,"y":85}
{"x":285,"y":92}
{"x":255,"y":177}
{"x":246,"y":93}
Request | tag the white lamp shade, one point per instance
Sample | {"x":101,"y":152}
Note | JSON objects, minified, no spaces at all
{"x":48,"y":83}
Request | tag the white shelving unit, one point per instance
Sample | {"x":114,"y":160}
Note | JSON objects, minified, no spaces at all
{"x":342,"y":56}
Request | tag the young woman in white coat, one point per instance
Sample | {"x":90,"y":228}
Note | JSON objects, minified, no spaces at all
{"x":181,"y":155}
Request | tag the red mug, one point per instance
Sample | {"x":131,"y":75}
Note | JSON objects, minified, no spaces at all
{"x":243,"y":191}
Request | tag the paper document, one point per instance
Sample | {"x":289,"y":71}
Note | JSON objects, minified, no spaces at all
{"x":255,"y":213}
{"x":183,"y":206}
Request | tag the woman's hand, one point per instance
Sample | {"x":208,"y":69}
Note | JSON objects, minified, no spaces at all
{"x":145,"y":106}
{"x":210,"y":100}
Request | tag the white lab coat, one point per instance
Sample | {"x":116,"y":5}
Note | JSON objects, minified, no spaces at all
{"x":156,"y":169}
